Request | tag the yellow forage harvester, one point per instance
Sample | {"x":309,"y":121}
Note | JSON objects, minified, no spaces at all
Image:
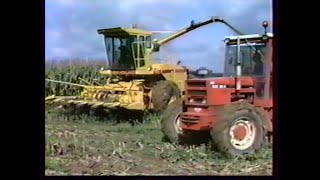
{"x":135,"y":81}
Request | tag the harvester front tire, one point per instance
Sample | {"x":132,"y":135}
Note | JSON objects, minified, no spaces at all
{"x":168,"y":121}
{"x":234,"y":117}
{"x":162,"y":92}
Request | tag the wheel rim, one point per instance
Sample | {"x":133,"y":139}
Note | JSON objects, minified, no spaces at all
{"x":242,"y":134}
{"x":177,"y":124}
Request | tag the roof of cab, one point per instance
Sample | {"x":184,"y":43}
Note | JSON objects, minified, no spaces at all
{"x":121,"y":32}
{"x":249,"y":36}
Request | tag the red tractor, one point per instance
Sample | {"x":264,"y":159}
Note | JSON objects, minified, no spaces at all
{"x":234,"y":110}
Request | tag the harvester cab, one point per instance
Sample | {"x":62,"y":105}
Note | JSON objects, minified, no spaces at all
{"x":127,"y":48}
{"x":234,"y":110}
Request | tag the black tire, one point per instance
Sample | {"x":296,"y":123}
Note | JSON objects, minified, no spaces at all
{"x":161,"y":94}
{"x":221,"y":139}
{"x":168,"y":121}
{"x":183,"y":137}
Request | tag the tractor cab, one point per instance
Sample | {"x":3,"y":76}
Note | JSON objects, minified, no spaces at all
{"x":127,"y":48}
{"x":254,"y":54}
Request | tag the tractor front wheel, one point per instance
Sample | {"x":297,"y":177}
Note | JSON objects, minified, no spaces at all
{"x":239,"y":131}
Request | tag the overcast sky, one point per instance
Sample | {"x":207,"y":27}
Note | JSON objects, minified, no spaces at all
{"x":71,"y":26}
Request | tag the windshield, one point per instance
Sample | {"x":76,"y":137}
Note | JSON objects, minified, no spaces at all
{"x":251,"y":57}
{"x":119,"y":53}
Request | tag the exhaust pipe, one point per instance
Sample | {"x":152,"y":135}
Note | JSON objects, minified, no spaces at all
{"x":238,"y":66}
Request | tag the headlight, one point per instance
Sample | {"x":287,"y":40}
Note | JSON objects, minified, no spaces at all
{"x":191,"y":100}
{"x":149,"y":68}
{"x":204,"y":101}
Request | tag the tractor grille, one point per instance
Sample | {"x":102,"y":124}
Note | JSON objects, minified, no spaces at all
{"x":196,"y":92}
{"x":196,"y":83}
{"x":189,"y":119}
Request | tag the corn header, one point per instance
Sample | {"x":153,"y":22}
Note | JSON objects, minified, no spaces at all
{"x":135,"y":94}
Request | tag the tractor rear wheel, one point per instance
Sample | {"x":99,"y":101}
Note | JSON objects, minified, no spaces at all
{"x":172,"y":131}
{"x":239,"y":131}
{"x":164,"y":92}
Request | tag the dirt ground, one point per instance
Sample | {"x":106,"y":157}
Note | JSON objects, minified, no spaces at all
{"x":86,"y":146}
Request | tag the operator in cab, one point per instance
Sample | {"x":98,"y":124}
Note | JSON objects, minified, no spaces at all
{"x":258,"y":64}
{"x":125,"y":55}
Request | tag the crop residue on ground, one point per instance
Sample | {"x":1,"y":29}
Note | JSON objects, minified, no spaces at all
{"x":87,"y":146}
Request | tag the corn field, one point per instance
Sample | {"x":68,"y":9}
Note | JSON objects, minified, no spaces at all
{"x":80,"y":147}
{"x":71,"y":71}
